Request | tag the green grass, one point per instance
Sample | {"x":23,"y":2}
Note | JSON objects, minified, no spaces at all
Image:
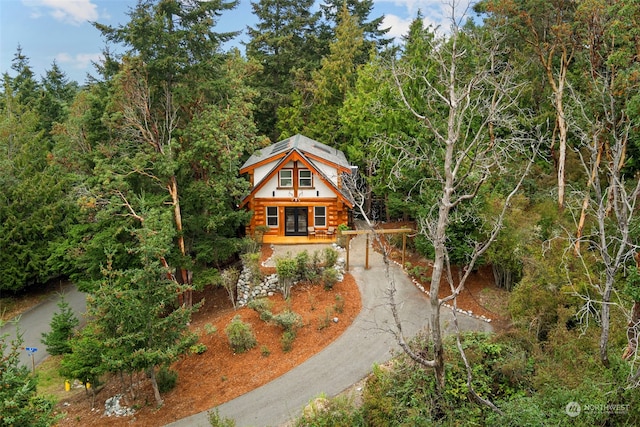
{"x":50,"y":383}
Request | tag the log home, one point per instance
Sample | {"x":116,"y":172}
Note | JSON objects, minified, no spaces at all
{"x":296,"y":191}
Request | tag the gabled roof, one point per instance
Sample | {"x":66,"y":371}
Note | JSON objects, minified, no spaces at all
{"x":306,"y":150}
{"x":310,"y":148}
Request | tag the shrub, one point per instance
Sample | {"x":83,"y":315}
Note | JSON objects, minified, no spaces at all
{"x":339,"y":305}
{"x":252,"y":262}
{"x":229,"y":278}
{"x":263,"y":307}
{"x":325,"y":321}
{"x":217,"y":421}
{"x":287,"y":271}
{"x":337,"y":412}
{"x":166,"y":379}
{"x":198,"y":348}
{"x":287,"y":340}
{"x":264,"y":350}
{"x":330,"y":257}
{"x":424,"y":246}
{"x":302,"y":264}
{"x":210,"y":329}
{"x":240,"y":335}
{"x":313,"y":272}
{"x":288,"y":320}
{"x":329,"y":278}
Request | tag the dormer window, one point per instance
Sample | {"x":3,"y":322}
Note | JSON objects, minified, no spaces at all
{"x":285,"y":178}
{"x":305,"y":178}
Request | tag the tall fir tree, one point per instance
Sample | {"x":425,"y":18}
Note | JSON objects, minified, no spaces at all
{"x":285,"y":41}
{"x":20,"y":404}
{"x":173,"y":73}
{"x":35,"y":212}
{"x":317,"y":113}
{"x":375,"y":37}
{"x":134,"y":319}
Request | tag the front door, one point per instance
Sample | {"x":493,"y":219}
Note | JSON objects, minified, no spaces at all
{"x":295,"y":221}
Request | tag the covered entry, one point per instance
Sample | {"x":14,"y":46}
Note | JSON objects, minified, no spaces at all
{"x":295,"y":220}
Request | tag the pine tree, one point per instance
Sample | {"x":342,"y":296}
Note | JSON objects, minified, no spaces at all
{"x":20,"y":404}
{"x":374,"y":37}
{"x":172,"y":74}
{"x":134,"y":314}
{"x":63,"y":326}
{"x":317,"y":112}
{"x":284,"y":41}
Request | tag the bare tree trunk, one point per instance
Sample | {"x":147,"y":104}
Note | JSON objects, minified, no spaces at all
{"x":606,"y":321}
{"x":585,"y":202}
{"x":562,"y":141}
{"x":185,"y":298}
{"x":632,"y":332}
{"x":612,"y":197}
{"x":154,"y":385}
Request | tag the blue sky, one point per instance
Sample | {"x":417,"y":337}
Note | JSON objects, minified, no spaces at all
{"x":59,"y":30}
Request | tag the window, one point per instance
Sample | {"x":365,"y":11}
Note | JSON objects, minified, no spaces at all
{"x":305,"y":178}
{"x":286,"y":178}
{"x":272,"y":216}
{"x":320,"y":216}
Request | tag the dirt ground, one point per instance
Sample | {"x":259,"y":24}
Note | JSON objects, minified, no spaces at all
{"x":218,"y":375}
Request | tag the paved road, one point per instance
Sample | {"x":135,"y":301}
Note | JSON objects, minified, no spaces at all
{"x":37,"y":320}
{"x":349,"y":358}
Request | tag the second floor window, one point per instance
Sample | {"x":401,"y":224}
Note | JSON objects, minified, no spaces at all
{"x":305,"y":178}
{"x":286,"y":178}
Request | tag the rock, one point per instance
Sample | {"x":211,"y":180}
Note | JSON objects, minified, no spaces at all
{"x":112,"y":407}
{"x":335,"y":320}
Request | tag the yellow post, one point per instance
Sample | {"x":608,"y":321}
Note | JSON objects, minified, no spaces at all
{"x":67,"y":385}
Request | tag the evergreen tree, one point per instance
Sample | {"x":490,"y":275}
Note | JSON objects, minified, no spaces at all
{"x":34,"y":212}
{"x":284,"y":41}
{"x":375,"y":38}
{"x":318,"y":116}
{"x":133,"y":312}
{"x":57,"y":94}
{"x":63,"y":326}
{"x":19,"y":403}
{"x":23,"y":84}
{"x":173,"y":73}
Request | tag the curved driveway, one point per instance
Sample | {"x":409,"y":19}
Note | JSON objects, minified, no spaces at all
{"x":37,"y":320}
{"x":349,"y":358}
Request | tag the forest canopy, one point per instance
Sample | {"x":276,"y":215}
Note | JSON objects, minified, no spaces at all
{"x":527,"y":111}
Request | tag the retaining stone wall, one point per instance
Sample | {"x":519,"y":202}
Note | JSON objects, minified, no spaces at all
{"x":269,"y":285}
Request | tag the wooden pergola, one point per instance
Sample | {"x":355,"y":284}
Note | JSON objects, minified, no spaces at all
{"x":350,"y":233}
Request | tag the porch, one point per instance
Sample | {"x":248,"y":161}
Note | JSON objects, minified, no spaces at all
{"x":298,"y":240}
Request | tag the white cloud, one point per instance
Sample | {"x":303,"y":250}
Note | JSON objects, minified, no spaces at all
{"x":399,"y":27}
{"x":80,"y":60}
{"x":435,"y":12}
{"x":74,"y":12}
